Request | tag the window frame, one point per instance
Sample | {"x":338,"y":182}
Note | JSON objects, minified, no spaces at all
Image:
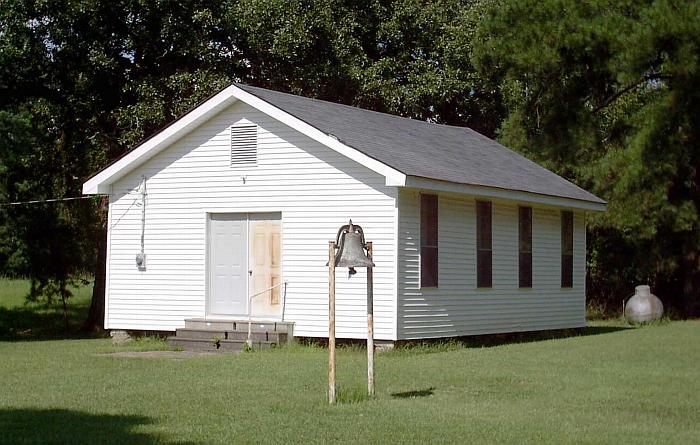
{"x":484,"y":250}
{"x":567,"y":249}
{"x":525,"y":247}
{"x":427,"y":280}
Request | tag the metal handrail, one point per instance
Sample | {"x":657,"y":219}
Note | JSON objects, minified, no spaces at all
{"x":249,"y":342}
{"x":268,"y":289}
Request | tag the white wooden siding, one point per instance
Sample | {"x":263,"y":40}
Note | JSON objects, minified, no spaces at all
{"x":315,"y":189}
{"x":457,"y":307}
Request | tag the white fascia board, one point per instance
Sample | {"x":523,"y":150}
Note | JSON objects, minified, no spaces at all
{"x":498,"y":193}
{"x":393,"y":176}
{"x":101,"y":182}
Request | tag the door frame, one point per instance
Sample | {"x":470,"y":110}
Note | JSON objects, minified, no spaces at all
{"x":207,"y":258}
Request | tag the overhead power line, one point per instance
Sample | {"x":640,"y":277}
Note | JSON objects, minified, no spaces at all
{"x":41,"y":201}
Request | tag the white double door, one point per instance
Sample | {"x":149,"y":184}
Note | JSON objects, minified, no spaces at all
{"x":244,"y":262}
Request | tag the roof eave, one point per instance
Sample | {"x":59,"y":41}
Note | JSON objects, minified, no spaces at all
{"x":506,"y":194}
{"x":100,"y":183}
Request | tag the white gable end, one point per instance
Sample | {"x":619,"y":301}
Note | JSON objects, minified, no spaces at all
{"x":99,"y":184}
{"x":314,"y":188}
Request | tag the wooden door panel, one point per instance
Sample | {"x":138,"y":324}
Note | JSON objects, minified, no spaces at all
{"x":265,"y":236}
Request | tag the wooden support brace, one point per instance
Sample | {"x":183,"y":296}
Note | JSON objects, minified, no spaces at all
{"x":331,"y":323}
{"x":370,"y":325}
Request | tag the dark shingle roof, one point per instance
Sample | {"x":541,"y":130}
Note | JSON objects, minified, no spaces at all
{"x":423,"y":149}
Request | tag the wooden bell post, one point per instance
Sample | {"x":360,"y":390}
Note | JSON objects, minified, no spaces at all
{"x":350,"y":244}
{"x":331,"y":322}
{"x":370,"y":324}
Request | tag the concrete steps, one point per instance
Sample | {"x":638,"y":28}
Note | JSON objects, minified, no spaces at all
{"x":230,"y":335}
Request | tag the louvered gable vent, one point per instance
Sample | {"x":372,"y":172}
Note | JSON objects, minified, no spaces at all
{"x":244,"y":145}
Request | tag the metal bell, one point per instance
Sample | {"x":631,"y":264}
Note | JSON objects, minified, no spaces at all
{"x":351,"y":248}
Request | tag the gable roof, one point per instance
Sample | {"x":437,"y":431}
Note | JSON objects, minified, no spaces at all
{"x":393,"y":146}
{"x":426,"y":150}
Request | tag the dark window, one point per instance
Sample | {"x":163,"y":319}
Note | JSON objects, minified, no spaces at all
{"x":428,"y":240}
{"x":567,"y":249}
{"x":483,"y":244}
{"x":525,"y":247}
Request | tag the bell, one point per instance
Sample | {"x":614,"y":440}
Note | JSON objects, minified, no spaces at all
{"x":351,"y":248}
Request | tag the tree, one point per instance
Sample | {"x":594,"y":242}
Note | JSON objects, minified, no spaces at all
{"x":605,"y":92}
{"x":409,"y":57}
{"x":82,"y":81}
{"x":421,"y":66}
{"x":70,"y":74}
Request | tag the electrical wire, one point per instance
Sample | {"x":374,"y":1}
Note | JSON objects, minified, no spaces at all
{"x":41,"y":201}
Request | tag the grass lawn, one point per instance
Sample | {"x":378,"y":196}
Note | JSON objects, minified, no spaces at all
{"x":613,"y":386}
{"x":22,"y":320}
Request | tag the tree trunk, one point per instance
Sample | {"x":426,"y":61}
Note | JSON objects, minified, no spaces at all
{"x":96,"y":316}
{"x":65,"y":313}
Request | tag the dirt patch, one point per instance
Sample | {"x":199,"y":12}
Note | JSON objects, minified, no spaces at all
{"x":173,"y":355}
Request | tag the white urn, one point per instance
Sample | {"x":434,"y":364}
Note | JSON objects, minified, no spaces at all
{"x":643,"y":306}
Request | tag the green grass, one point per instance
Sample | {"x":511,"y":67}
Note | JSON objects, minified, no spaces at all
{"x":22,"y":320}
{"x":614,"y":385}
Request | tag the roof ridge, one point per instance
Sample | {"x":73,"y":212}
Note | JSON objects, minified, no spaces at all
{"x":357,"y":108}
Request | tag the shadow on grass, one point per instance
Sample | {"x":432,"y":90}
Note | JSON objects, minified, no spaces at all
{"x":491,"y":340}
{"x":38,"y":426}
{"x":414,"y":394}
{"x":480,"y":341}
{"x":33,"y":321}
